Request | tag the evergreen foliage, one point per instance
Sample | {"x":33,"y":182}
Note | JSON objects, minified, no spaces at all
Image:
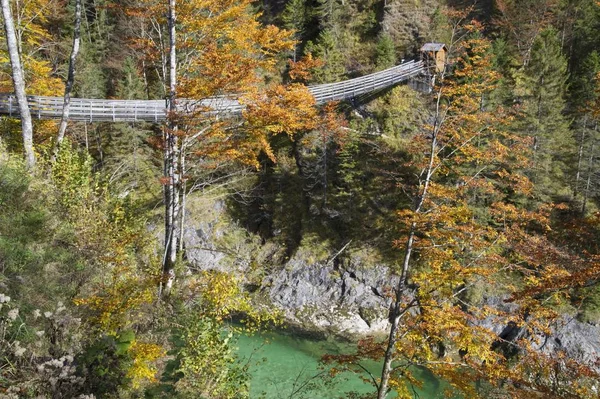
{"x":541,"y":87}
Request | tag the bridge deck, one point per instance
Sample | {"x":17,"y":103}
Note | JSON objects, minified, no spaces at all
{"x":100,"y":110}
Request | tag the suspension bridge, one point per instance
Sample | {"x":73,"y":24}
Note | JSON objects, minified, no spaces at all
{"x":106,"y":110}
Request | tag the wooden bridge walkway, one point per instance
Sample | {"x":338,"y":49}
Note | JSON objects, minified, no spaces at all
{"x":100,"y":110}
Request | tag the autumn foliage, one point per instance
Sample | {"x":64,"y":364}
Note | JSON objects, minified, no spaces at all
{"x":467,"y":236}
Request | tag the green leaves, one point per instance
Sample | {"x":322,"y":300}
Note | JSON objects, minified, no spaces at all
{"x":123,"y":341}
{"x":204,"y":363}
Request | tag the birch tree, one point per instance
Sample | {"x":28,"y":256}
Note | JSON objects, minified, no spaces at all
{"x":172,"y":171}
{"x":19,"y":83}
{"x":461,"y":166}
{"x":70,"y":77}
{"x":217,"y":51}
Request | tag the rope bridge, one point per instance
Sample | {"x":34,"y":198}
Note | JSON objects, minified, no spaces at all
{"x":100,"y":110}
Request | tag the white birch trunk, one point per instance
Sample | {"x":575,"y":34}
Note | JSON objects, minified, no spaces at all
{"x":19,"y":84}
{"x":398,"y":311}
{"x":70,"y":78}
{"x":172,"y":185}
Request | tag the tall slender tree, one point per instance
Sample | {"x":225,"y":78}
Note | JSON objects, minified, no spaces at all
{"x":70,"y":77}
{"x":540,"y":89}
{"x":19,"y":83}
{"x":216,"y":48}
{"x":172,"y":164}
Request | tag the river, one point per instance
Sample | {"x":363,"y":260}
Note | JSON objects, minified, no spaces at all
{"x":285,"y":366}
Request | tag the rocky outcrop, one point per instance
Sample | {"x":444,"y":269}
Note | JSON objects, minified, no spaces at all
{"x":348,"y":297}
{"x":200,"y":235}
{"x":578,"y":340}
{"x":345,"y":300}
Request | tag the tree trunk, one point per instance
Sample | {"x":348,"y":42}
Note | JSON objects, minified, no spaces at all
{"x":579,"y":158}
{"x":19,"y":84}
{"x":182,"y":197}
{"x":588,"y":182}
{"x":70,"y":79}
{"x":589,"y":172}
{"x":172,"y":184}
{"x":398,"y":311}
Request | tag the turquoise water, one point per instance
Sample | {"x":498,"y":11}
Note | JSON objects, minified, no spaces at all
{"x":284,"y":366}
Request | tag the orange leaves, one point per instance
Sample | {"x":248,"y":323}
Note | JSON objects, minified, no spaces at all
{"x":467,"y":231}
{"x":273,"y":40}
{"x":549,"y":269}
{"x":279,"y":110}
{"x":300,"y":71}
{"x":226,"y":47}
{"x":227,"y":55}
{"x":282,"y":109}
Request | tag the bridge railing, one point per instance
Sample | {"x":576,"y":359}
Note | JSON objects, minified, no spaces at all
{"x":90,"y":110}
{"x":365,"y":84}
{"x":100,"y":110}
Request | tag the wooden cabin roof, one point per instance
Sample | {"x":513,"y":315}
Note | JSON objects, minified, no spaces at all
{"x":433,"y":47}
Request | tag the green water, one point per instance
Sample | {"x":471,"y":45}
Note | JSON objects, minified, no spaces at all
{"x":284,"y":366}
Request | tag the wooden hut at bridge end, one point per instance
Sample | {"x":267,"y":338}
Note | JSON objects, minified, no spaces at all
{"x":434,"y":55}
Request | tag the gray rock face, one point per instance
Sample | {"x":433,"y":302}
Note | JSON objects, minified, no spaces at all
{"x":580,"y":341}
{"x":495,"y":323}
{"x":201,"y":252}
{"x":199,"y":237}
{"x":343,"y":300}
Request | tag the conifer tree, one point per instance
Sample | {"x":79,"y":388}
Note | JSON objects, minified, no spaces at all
{"x":131,"y":86}
{"x":385,"y":53}
{"x":585,"y":124}
{"x":541,"y":92}
{"x":327,"y":49}
{"x":296,"y":17}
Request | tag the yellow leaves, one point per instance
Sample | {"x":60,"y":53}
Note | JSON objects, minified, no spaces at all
{"x":143,"y":369}
{"x":469,"y":227}
{"x":227,"y":48}
{"x":111,"y":239}
{"x":219,"y":294}
{"x":228,"y":51}
{"x":273,"y":40}
{"x":114,"y":306}
{"x":31,"y":17}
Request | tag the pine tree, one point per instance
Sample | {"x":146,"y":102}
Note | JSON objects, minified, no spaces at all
{"x":327,"y":49}
{"x":385,"y":53}
{"x":583,"y":96}
{"x":540,"y":87}
{"x":131,"y":86}
{"x":330,"y":14}
{"x":295,"y":17}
